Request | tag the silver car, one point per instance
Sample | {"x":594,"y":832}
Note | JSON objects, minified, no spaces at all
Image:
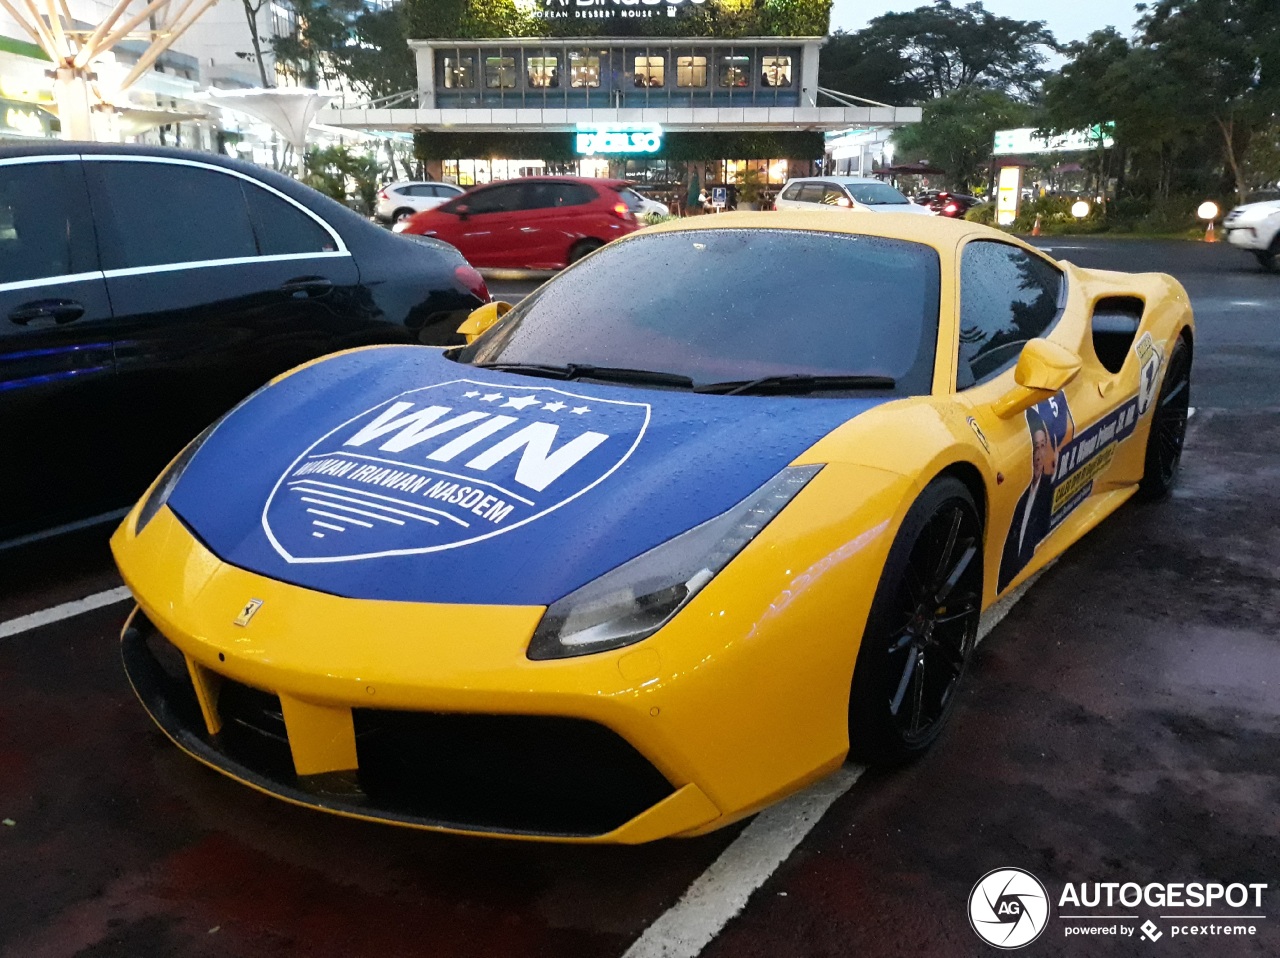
{"x":398,"y":201}
{"x":857,"y":193}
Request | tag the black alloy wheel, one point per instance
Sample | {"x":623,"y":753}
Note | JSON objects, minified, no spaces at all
{"x":1168,"y":425}
{"x":922,"y":628}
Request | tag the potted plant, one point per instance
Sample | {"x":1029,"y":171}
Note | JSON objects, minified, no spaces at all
{"x":749,"y":189}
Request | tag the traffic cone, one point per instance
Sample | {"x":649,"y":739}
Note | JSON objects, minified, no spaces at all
{"x":1035,"y":229}
{"x":1209,"y":235}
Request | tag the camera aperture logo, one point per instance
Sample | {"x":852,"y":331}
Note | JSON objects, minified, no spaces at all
{"x":1008,"y":908}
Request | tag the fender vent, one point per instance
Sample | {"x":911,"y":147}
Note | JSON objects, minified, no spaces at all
{"x":1115,"y":326}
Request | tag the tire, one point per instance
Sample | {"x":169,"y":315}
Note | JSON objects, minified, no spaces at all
{"x":1269,"y":259}
{"x":1168,"y":426}
{"x":925,"y":613}
{"x":583,"y":248}
{"x":401,"y":214}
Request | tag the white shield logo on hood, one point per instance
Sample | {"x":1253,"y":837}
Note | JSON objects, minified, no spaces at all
{"x":445,"y":466}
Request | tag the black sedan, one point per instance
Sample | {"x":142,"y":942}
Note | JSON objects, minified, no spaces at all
{"x":145,"y":291}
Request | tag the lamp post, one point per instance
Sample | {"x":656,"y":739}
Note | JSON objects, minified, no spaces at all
{"x":1208,"y":211}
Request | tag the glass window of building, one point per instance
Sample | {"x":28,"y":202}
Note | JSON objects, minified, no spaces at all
{"x":459,"y":73}
{"x":651,"y":71}
{"x":775,"y":71}
{"x":735,"y":71}
{"x":691,"y":71}
{"x":544,"y":72}
{"x":500,"y":73}
{"x":584,"y":70}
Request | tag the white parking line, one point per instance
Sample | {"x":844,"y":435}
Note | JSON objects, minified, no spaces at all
{"x":721,"y":892}
{"x":67,"y":610}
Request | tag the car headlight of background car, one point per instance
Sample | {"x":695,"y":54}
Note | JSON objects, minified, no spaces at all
{"x":640,"y":596}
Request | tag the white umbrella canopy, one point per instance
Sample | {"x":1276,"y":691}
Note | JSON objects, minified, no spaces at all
{"x":290,"y":111}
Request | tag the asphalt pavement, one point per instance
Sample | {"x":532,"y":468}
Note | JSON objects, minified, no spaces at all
{"x":1120,"y":725}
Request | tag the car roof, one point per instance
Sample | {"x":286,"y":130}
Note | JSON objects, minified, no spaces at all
{"x":940,"y":232}
{"x":838,"y":179}
{"x":590,"y":180}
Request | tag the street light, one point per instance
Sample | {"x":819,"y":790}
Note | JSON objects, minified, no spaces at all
{"x":1080,"y":209}
{"x":1208,"y":211}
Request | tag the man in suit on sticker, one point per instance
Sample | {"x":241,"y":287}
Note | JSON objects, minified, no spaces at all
{"x":1051,"y":428}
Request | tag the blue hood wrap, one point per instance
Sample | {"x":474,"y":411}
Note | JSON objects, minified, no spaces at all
{"x":397,"y":474}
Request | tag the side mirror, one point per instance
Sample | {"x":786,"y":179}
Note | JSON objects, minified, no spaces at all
{"x":463,"y":211}
{"x":1043,"y":368}
{"x":475,"y":325}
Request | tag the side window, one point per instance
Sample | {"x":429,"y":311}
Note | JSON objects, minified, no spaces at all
{"x":282,"y":228}
{"x":1007,"y":296}
{"x":834,"y":196}
{"x":810,"y":193}
{"x":538,"y":196}
{"x":144,"y":230}
{"x":792,"y":192}
{"x":496,"y":199}
{"x":43,"y":221}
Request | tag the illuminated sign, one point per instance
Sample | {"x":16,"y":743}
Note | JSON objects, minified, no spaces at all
{"x":22,"y":119}
{"x":1025,"y":140}
{"x":605,"y":9}
{"x":594,"y":138}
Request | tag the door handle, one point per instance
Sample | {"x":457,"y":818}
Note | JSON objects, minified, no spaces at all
{"x":302,"y":287}
{"x":58,"y":311}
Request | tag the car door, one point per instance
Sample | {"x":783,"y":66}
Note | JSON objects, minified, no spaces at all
{"x":1009,"y":296}
{"x":556,"y":215}
{"x":58,"y":400}
{"x":217,"y":288}
{"x":485,"y":223}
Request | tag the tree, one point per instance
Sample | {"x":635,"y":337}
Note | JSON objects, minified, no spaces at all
{"x":251,"y":12}
{"x":944,"y":48}
{"x":852,"y":63}
{"x":1226,"y":55}
{"x":957,"y":132}
{"x":342,"y":42}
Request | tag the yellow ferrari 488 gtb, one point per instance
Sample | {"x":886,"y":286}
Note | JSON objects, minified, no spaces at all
{"x":713,"y":509}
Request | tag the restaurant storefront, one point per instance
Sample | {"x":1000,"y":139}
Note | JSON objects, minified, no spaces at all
{"x":665,"y":93}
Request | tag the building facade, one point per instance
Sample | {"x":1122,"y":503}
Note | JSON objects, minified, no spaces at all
{"x":657,"y":91}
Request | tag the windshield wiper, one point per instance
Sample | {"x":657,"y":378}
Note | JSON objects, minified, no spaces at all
{"x":616,"y":374}
{"x":797,"y":382}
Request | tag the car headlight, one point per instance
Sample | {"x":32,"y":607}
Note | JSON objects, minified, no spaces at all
{"x":168,"y":480}
{"x":639,"y":597}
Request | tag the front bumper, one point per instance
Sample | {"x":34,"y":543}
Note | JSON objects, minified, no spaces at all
{"x":433,"y":716}
{"x":1245,"y":237}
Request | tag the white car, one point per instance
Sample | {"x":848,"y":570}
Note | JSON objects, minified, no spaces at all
{"x":397,"y":201}
{"x":643,"y":205}
{"x":859,"y":193}
{"x":1256,"y":227}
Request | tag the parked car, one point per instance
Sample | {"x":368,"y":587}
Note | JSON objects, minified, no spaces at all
{"x":944,"y":203}
{"x":399,"y":201}
{"x":454,"y":589}
{"x":538,"y":222}
{"x":1255,"y":226}
{"x":125,"y":327}
{"x":858,"y":193}
{"x":644,"y":205}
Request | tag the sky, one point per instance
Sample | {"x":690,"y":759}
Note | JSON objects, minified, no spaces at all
{"x":1068,"y":19}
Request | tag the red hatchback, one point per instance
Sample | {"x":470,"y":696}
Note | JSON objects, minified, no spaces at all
{"x":537,"y":222}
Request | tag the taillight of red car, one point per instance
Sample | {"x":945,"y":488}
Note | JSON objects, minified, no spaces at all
{"x":473,"y":282}
{"x":623,"y":212}
{"x":951,"y":209}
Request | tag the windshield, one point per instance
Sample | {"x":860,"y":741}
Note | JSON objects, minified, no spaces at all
{"x":726,"y":304}
{"x":875,"y":194}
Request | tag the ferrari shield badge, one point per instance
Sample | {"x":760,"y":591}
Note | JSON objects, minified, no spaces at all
{"x":444,"y":466}
{"x":247,"y":613}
